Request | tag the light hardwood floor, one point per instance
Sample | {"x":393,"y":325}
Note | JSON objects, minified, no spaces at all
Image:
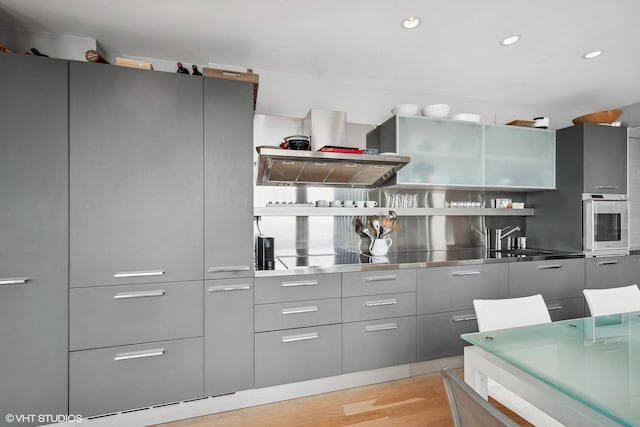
{"x":415,"y":401}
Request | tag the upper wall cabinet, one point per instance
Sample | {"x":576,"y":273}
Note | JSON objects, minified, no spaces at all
{"x":453,"y":154}
{"x":136,"y":179}
{"x":519,"y":157}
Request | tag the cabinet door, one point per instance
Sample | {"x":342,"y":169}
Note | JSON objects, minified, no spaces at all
{"x":442,"y":152}
{"x":554,"y":279}
{"x":33,"y":235}
{"x":519,"y":157}
{"x":442,"y":289}
{"x":612,"y":272}
{"x":228,"y":329}
{"x":136,"y":176}
{"x":439,"y":334}
{"x":604,"y":159}
{"x":228,"y":151}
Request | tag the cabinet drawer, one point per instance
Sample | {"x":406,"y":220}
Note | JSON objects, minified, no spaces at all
{"x":442,"y":289}
{"x":298,"y":354}
{"x":370,"y":307}
{"x":554,"y":279}
{"x":297,"y":288}
{"x":569,"y":308}
{"x":119,"y":378}
{"x":379,"y":343}
{"x":378,"y":282}
{"x":299,"y":314}
{"x":439,"y":334}
{"x":611,"y":272}
{"x":119,"y":315}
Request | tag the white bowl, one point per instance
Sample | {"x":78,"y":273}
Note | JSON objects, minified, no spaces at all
{"x":436,"y":110}
{"x":406,"y":110}
{"x":467,"y":117}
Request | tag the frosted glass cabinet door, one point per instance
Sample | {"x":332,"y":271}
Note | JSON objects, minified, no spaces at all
{"x":441,"y":151}
{"x":519,"y":157}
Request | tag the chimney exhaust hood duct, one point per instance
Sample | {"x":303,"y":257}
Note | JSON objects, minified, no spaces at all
{"x":317,"y":168}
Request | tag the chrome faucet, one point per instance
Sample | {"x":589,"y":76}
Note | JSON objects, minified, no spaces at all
{"x":501,"y":233}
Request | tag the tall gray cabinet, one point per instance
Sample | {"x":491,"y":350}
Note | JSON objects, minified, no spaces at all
{"x":33,"y":235}
{"x":136,"y":238}
{"x":228,"y":254}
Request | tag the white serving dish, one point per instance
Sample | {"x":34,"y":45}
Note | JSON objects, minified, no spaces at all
{"x":406,"y":110}
{"x":436,"y":110}
{"x":467,"y":117}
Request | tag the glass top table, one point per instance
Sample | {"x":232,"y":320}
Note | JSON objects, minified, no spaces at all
{"x":595,"y":361}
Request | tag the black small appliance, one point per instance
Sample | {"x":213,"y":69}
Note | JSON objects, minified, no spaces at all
{"x":265,"y":248}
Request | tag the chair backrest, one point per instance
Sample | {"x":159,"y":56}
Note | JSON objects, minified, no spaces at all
{"x":602,"y":302}
{"x":506,"y":313}
{"x":467,"y":407}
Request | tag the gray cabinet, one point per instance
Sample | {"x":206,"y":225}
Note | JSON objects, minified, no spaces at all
{"x":297,"y":288}
{"x":297,"y":314}
{"x":445,"y":305}
{"x":568,"y":308}
{"x":136,"y":177}
{"x":106,"y":380}
{"x":553,"y":279}
{"x":604,"y":158}
{"x":611,"y":272}
{"x":228,"y":342}
{"x":118,"y":315}
{"x":443,"y":289}
{"x":228,"y":173}
{"x":33,"y":235}
{"x":378,"y":282}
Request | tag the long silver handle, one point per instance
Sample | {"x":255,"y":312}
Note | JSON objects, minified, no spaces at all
{"x":555,"y":307}
{"x":300,"y":337}
{"x":549,"y":267}
{"x":143,"y":294}
{"x":464,"y":318}
{"x":298,"y":310}
{"x":381,"y":302}
{"x":465,"y":273}
{"x":229,"y":269}
{"x":607,"y":187}
{"x":385,"y":327}
{"x":14,"y":281}
{"x":302,"y":283}
{"x":381,"y":278}
{"x":122,"y":274}
{"x":139,"y":354}
{"x":608,"y":262}
{"x":223,"y":288}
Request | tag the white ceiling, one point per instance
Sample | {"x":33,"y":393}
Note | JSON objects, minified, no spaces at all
{"x":456,"y":51}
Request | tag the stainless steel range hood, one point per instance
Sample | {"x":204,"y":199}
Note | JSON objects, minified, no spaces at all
{"x":315,"y":168}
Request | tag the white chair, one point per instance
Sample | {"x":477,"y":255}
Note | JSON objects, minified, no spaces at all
{"x":603,"y":302}
{"x":511,"y":313}
{"x":468,"y":408}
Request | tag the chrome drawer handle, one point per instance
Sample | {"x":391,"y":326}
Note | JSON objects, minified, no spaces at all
{"x":549,"y":267}
{"x":465,"y":318}
{"x":223,"y":288}
{"x":300,"y":337}
{"x":465,"y":273}
{"x":304,"y":283}
{"x":381,"y":278}
{"x":123,"y":274}
{"x":143,"y":294}
{"x":229,"y":269}
{"x":310,"y":309}
{"x":555,"y":307}
{"x":607,"y":187}
{"x":608,"y":262}
{"x":381,"y":302}
{"x":377,"y":328}
{"x":139,"y":354}
{"x":14,"y":281}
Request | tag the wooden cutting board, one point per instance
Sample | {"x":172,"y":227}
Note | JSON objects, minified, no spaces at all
{"x":525,"y":123}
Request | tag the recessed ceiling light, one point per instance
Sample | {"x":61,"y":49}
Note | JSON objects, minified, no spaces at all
{"x":411,"y":22}
{"x":593,"y":54}
{"x":510,"y":40}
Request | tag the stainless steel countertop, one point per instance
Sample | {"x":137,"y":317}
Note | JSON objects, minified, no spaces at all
{"x":351,"y":262}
